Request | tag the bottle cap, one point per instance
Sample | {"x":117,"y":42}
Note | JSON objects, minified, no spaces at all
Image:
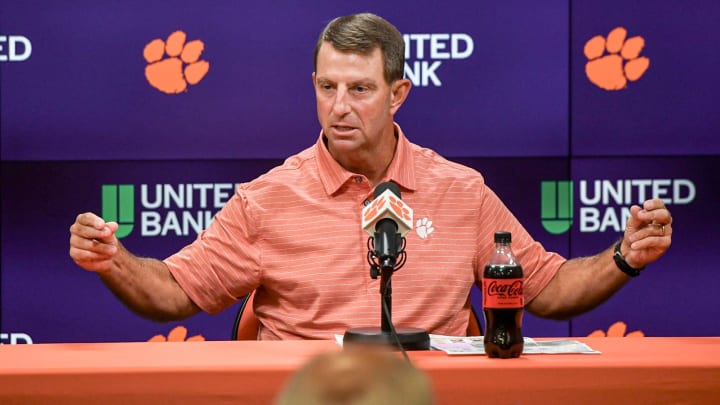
{"x":503,"y":237}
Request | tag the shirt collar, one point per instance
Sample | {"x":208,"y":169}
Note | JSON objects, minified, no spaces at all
{"x":400,"y":171}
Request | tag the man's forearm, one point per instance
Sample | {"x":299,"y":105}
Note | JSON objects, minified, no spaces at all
{"x":147,"y":287}
{"x":580,"y":285}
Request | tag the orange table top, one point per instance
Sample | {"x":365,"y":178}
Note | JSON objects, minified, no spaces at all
{"x":629,"y":370}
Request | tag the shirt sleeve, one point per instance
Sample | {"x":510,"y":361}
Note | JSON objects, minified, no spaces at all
{"x":223,"y":263}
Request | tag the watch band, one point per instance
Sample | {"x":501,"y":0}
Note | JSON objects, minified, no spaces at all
{"x":622,"y":264}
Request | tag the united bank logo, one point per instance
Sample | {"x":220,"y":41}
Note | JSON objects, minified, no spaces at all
{"x":174,"y":63}
{"x":604,"y":205}
{"x":15,"y":48}
{"x":118,"y":205}
{"x":163,"y":209}
{"x":425,"y":54}
{"x":556,"y":206}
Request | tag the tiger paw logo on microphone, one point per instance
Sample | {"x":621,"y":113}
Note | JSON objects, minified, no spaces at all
{"x":388,"y":205}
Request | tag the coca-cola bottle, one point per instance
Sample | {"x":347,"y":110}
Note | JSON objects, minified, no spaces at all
{"x":503,"y":301}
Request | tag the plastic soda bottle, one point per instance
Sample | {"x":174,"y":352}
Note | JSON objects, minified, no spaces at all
{"x":503,"y":300}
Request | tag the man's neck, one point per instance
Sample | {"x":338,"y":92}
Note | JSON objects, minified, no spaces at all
{"x":373,"y":164}
{"x":382,"y":166}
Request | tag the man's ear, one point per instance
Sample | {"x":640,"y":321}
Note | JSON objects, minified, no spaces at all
{"x":399,"y":91}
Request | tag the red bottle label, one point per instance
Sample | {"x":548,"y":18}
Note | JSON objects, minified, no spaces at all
{"x":503,"y":293}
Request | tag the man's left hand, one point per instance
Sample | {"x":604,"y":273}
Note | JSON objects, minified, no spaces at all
{"x":648,"y":233}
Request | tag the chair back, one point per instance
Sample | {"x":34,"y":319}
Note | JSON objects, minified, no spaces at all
{"x":246,"y":325}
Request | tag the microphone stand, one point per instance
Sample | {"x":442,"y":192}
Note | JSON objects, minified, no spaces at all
{"x":387,"y":334}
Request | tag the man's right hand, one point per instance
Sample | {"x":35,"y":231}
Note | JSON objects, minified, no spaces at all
{"x":93,"y":243}
{"x":144,"y":285}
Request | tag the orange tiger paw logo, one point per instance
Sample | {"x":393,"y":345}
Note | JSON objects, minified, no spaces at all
{"x":182,"y":65}
{"x":618,"y":329}
{"x":178,"y":334}
{"x":400,"y":208}
{"x":622,"y":62}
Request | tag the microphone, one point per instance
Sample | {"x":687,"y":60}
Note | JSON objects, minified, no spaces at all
{"x":387,"y":219}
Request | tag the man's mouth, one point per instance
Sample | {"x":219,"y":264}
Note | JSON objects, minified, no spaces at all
{"x":343,"y":128}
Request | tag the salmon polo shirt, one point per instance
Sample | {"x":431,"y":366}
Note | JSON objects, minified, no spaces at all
{"x":294,"y":235}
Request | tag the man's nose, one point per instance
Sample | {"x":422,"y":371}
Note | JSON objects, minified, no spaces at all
{"x":341,"y":106}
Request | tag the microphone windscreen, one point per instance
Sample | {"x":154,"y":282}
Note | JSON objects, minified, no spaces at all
{"x":388,"y":185}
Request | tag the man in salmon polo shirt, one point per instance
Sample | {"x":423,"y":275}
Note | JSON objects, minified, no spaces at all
{"x":293,"y":235}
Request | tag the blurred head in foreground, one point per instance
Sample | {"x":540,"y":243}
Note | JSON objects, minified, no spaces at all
{"x":357,"y":377}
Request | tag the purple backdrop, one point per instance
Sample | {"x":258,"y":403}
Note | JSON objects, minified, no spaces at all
{"x":88,"y":99}
{"x":499,"y":86}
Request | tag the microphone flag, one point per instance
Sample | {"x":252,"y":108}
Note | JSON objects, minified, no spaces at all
{"x":387,"y":205}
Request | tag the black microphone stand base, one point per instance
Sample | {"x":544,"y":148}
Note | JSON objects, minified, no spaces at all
{"x":410,"y":338}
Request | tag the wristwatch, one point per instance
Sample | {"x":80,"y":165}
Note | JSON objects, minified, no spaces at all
{"x":622,"y":264}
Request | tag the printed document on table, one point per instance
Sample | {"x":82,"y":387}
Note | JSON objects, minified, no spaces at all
{"x":458,"y":345}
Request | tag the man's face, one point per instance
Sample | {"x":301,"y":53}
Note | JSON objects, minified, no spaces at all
{"x":354,"y":102}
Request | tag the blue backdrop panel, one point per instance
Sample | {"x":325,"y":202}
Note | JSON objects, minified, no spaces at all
{"x":82,"y":93}
{"x":670,"y":110}
{"x":674,"y":296}
{"x":44,"y":293}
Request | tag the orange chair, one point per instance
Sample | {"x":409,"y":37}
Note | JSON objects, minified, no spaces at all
{"x":246,"y":324}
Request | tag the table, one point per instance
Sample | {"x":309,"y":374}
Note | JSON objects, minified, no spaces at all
{"x":629,"y":370}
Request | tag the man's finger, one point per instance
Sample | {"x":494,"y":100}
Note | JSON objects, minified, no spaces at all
{"x":92,"y":245}
{"x":635,"y":221}
{"x":91,"y":220}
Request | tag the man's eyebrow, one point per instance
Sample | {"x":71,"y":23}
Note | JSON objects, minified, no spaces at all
{"x":367,"y":82}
